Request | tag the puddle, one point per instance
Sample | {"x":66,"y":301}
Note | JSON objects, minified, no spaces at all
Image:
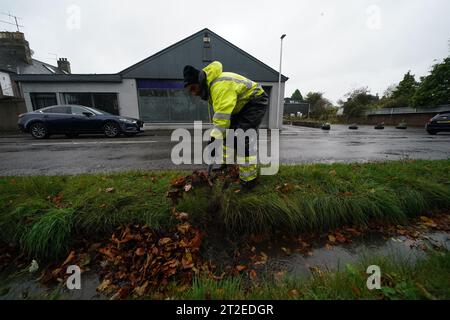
{"x":24,"y":286}
{"x":286,"y":255}
{"x":336,"y":257}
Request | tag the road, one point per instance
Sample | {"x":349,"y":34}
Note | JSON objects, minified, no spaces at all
{"x":22,"y":155}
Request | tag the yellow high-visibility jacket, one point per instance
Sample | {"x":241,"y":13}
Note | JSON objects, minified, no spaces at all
{"x":228,"y":94}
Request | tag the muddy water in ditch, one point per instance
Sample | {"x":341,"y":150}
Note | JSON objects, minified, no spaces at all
{"x":337,"y":257}
{"x":22,"y":285}
{"x":283,"y":255}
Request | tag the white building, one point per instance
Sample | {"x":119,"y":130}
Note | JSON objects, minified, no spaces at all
{"x":152,"y":89}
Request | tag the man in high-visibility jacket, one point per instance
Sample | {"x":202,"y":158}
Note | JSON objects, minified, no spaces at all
{"x":238,"y":103}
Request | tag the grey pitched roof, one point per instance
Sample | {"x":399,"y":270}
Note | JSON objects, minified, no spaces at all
{"x":36,"y":67}
{"x":67,"y":77}
{"x":169,"y":63}
{"x":39,"y":67}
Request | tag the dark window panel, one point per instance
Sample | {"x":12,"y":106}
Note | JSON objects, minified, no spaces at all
{"x":41,"y":100}
{"x":171,"y":105}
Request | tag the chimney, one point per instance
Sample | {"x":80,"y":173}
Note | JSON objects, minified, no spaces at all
{"x":14,"y":50}
{"x":64,"y":65}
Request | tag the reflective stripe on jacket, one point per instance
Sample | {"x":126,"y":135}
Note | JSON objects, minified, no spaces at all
{"x":228,"y":94}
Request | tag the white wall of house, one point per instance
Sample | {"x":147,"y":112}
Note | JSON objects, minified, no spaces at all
{"x":126,"y":92}
{"x":272,"y":122}
{"x":6,"y":84}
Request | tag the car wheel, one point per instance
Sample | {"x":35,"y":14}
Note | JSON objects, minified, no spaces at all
{"x":111,"y":129}
{"x":38,"y":130}
{"x":432,"y":132}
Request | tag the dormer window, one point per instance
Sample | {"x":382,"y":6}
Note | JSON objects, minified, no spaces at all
{"x":207,"y":56}
{"x":206,"y":39}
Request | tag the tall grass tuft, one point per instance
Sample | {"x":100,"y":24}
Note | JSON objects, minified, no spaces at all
{"x":50,"y":235}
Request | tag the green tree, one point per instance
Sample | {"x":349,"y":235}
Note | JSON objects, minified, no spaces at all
{"x":434,"y":89}
{"x":314,"y":98}
{"x":407,"y":87}
{"x":297,"y":96}
{"x":320,"y":106}
{"x":358,"y":101}
{"x":403,"y":94}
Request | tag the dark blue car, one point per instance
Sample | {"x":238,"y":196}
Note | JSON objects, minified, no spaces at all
{"x":439,"y":123}
{"x":73,"y":120}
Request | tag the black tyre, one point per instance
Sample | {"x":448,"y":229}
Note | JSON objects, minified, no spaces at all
{"x":39,"y":131}
{"x":111,"y":129}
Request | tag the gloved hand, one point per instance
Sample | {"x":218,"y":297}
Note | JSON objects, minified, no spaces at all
{"x":214,"y":167}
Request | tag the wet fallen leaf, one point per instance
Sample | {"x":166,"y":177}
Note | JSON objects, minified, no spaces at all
{"x":121,"y":294}
{"x":256,"y":239}
{"x":328,"y":247}
{"x":331,"y":238}
{"x":240,"y":268}
{"x":253,"y":274}
{"x":293,"y":293}
{"x":104,"y":286}
{"x":140,"y":291}
{"x":279,"y":275}
{"x":196,"y":241}
{"x":263,"y":259}
{"x":428,"y":222}
{"x":316,"y":271}
{"x":184,"y":228}
{"x":140,"y":252}
{"x":356,"y":291}
{"x":70,"y":258}
{"x":182,"y":216}
{"x":164,"y":241}
{"x":340,"y":238}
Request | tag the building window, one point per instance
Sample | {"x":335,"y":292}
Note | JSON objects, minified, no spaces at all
{"x":207,"y":54}
{"x":103,"y":101}
{"x":167,"y":101}
{"x":106,"y":102}
{"x":41,"y":100}
{"x":82,"y":99}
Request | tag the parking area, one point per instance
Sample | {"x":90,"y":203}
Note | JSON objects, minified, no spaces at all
{"x":22,"y":155}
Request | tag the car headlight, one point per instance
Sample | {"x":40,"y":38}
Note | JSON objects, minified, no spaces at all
{"x":128,"y":120}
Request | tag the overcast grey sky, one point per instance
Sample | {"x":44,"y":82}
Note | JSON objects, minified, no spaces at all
{"x":331,"y":46}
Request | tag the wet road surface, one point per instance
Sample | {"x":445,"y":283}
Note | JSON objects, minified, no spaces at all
{"x":20,"y":154}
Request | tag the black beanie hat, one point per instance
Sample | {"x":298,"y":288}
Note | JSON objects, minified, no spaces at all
{"x":190,"y":75}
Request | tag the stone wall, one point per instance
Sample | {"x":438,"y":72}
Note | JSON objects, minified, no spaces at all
{"x":9,"y":112}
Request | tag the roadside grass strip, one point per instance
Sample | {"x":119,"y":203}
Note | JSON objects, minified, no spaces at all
{"x":45,"y":215}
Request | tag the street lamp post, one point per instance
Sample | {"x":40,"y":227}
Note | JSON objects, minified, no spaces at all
{"x":279,"y":84}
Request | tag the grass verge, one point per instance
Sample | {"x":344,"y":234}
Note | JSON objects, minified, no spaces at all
{"x":44,"y":215}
